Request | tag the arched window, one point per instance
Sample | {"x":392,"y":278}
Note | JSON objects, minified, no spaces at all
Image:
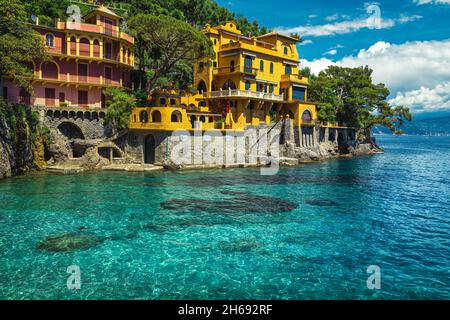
{"x":96,"y":48}
{"x":271,"y":68}
{"x":201,"y":87}
{"x":156,"y":116}
{"x":143,"y":117}
{"x":261,"y":66}
{"x":49,"y":40}
{"x":247,"y":85}
{"x":85,"y":47}
{"x":50,"y":70}
{"x":176,"y":116}
{"x":306,"y":116}
{"x":229,"y":84}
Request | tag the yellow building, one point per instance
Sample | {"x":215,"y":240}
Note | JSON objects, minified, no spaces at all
{"x":251,"y":81}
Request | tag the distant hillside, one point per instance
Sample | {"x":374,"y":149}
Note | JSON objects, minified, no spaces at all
{"x":429,"y":126}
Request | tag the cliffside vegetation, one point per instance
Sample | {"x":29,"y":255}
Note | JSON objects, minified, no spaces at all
{"x":22,"y":139}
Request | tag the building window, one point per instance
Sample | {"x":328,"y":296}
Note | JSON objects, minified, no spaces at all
{"x":201,"y":66}
{"x":49,"y":40}
{"x":288,"y":69}
{"x":162,"y":102}
{"x":143,"y":117}
{"x":271,"y":88}
{"x":215,"y":41}
{"x":62,"y":97}
{"x":261,"y":66}
{"x":156,"y":116}
{"x":108,"y":75}
{"x":232,"y":66}
{"x":248,"y":64}
{"x":108,"y":50}
{"x":82,"y":72}
{"x":176,"y":116}
{"x":271,"y":68}
{"x":24,"y":97}
{"x":298,"y":93}
{"x":50,"y":97}
{"x":83,"y":98}
{"x":173,"y":102}
{"x":215,"y":64}
{"x":286,"y":51}
{"x":247,"y":85}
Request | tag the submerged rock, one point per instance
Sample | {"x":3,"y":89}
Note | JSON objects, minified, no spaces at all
{"x":239,"y":245}
{"x":69,"y":242}
{"x":322,"y":203}
{"x":241,"y":202}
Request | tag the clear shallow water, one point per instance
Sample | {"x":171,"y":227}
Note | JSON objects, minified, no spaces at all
{"x":308,"y":233}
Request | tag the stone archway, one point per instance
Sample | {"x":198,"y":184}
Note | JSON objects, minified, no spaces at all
{"x":70,"y":130}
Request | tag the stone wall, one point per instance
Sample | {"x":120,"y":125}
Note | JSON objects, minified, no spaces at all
{"x":90,"y":123}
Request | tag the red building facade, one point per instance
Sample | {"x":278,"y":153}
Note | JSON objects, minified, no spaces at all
{"x":87,"y":57}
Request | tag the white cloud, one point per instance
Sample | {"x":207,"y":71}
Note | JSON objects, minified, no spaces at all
{"x":348,"y":26}
{"x":330,"y":53}
{"x":425,"y":99}
{"x":403,"y":68}
{"x":305,"y":42}
{"x":421,"y":2}
{"x":333,"y":17}
{"x":312,"y":16}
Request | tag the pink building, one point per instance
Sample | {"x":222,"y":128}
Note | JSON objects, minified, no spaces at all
{"x":87,"y":57}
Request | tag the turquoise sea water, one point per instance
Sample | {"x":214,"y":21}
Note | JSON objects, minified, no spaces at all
{"x":307,"y":233}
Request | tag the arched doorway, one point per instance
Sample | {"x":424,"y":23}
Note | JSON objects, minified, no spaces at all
{"x":50,"y":70}
{"x":149,"y":149}
{"x":229,"y":84}
{"x":306,"y":117}
{"x":201,"y":88}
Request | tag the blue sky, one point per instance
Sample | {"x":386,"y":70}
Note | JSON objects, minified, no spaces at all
{"x":408,"y":46}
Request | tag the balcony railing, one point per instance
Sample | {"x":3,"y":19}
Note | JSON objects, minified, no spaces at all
{"x":79,"y":26}
{"x":233,"y":69}
{"x":243,"y":93}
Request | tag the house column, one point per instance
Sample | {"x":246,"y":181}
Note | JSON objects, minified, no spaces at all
{"x":68,"y":44}
{"x":91,"y":48}
{"x":78,"y":46}
{"x":101,"y":48}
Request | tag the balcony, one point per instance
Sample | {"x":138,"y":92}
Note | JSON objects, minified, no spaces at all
{"x":87,"y":27}
{"x":236,"y":69}
{"x":294,"y":78}
{"x":243,"y":94}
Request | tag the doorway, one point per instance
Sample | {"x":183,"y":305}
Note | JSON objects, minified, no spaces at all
{"x":149,"y":149}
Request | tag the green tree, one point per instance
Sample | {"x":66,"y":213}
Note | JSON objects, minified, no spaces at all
{"x":349,"y":95}
{"x":166,"y":41}
{"x":19,"y":44}
{"x":119,"y":104}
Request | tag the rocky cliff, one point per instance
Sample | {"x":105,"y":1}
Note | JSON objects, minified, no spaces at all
{"x":21,"y":144}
